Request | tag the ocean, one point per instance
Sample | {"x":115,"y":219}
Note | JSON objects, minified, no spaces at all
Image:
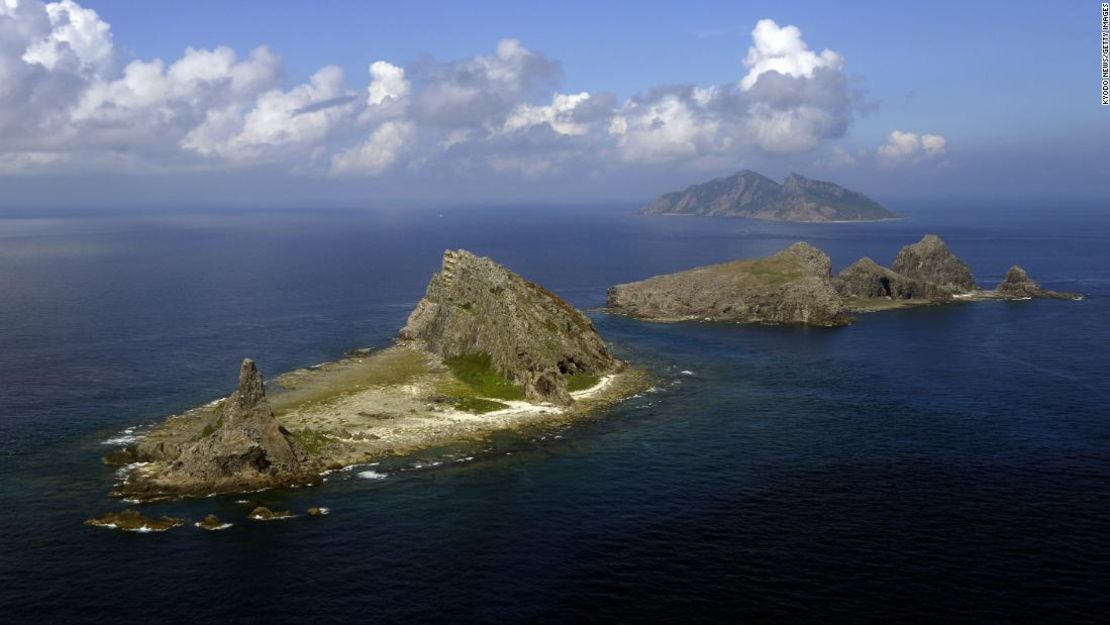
{"x":940,"y":465}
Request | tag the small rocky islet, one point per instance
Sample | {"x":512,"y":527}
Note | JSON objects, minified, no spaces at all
{"x":484,"y":350}
{"x":797,"y":287}
{"x":487,"y":350}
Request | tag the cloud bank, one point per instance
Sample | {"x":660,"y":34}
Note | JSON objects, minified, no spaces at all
{"x":69,"y":102}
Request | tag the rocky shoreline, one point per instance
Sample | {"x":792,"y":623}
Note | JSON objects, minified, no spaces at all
{"x":796,"y":287}
{"x":485,"y":350}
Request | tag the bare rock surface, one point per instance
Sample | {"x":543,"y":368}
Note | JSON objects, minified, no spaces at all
{"x":867,"y":279}
{"x":790,"y":287}
{"x":245,"y":448}
{"x":1017,"y":284}
{"x":534,"y":338}
{"x":930,"y":263}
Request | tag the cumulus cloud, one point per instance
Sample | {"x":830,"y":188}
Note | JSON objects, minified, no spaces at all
{"x":908,"y":147}
{"x":780,"y":49}
{"x":67,"y":100}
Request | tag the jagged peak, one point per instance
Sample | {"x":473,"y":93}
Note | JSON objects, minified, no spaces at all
{"x":250,"y":390}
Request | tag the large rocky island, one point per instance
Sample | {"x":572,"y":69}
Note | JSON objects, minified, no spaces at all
{"x":796,"y":286}
{"x":750,"y":194}
{"x":484,"y":350}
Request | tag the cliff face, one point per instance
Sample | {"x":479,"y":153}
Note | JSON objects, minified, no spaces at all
{"x":1018,"y":284}
{"x":790,"y":287}
{"x":750,"y":194}
{"x":245,"y":448}
{"x":867,"y":279}
{"x":931,"y":263}
{"x":475,"y":306}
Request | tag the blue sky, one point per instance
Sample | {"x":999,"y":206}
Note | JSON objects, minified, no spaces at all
{"x":1006,"y":91}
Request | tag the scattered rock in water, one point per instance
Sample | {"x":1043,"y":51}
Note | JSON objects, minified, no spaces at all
{"x":212,"y":523}
{"x":1018,"y":285}
{"x":132,"y":520}
{"x":318,"y":511}
{"x":262,"y":513}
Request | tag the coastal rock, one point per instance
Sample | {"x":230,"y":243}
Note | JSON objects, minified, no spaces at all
{"x":750,"y":194}
{"x":932,"y":265}
{"x":1018,"y":285}
{"x":212,"y":523}
{"x":473,"y":306}
{"x":133,"y":521}
{"x":791,"y":287}
{"x":262,"y":513}
{"x":867,"y":279}
{"x":245,"y":448}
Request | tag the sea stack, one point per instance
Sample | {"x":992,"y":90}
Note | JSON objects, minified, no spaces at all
{"x":474,"y":306}
{"x":1018,"y":285}
{"x":790,"y":287}
{"x":931,"y":263}
{"x":245,"y":448}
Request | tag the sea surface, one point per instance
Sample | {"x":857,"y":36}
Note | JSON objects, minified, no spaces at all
{"x":942,"y":465}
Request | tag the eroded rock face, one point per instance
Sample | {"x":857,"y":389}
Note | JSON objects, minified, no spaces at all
{"x":246,"y":448}
{"x":930,"y":263}
{"x":790,"y":287}
{"x":533,"y":337}
{"x":867,"y":279}
{"x":1017,"y":284}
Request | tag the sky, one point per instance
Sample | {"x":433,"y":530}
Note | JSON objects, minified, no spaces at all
{"x":173,"y":102}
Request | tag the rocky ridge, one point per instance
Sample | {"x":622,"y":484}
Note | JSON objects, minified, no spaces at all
{"x":473,"y":306}
{"x":750,"y":194}
{"x":795,"y":286}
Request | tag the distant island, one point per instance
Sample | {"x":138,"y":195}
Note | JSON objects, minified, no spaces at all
{"x":750,"y":194}
{"x":485,"y":349}
{"x":796,"y":286}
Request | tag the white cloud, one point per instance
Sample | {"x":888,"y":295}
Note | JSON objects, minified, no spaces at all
{"x":781,"y":49}
{"x":933,"y":144}
{"x":66,"y":104}
{"x":908,"y":147}
{"x":376,"y":154}
{"x":667,"y":129}
{"x":559,"y":115}
{"x":77,"y":37}
{"x":387,"y":83}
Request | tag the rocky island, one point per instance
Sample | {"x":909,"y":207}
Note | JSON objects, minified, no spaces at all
{"x":484,"y":350}
{"x":750,"y":194}
{"x":796,"y":286}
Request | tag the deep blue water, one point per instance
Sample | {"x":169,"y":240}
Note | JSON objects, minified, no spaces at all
{"x":940,"y":465}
